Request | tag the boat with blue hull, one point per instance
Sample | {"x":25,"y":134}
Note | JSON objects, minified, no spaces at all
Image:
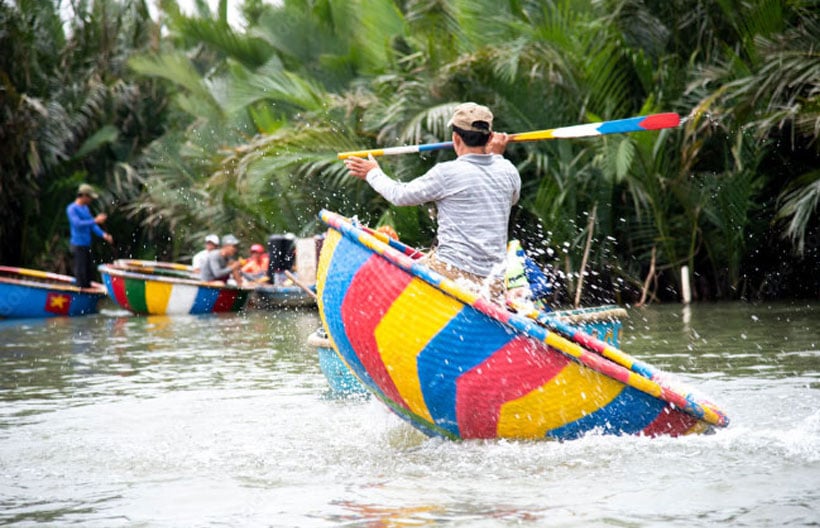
{"x":28,"y":293}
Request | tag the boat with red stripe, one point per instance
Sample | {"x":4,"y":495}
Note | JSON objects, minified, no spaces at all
{"x":459,"y":366}
{"x":159,"y":288}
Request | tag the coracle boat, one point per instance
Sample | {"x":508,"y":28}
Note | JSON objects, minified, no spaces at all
{"x":33,"y":293}
{"x":159,"y":288}
{"x":458,"y":366}
{"x":602,"y":321}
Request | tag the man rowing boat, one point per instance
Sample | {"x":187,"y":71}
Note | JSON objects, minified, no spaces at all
{"x":473,"y":194}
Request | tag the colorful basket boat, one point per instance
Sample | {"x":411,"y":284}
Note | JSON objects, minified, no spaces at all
{"x":270,"y":296}
{"x":33,"y":293}
{"x":603,"y":322}
{"x":458,"y":366}
{"x":158,"y":288}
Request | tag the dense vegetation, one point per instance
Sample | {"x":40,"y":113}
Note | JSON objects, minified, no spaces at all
{"x":191,"y":125}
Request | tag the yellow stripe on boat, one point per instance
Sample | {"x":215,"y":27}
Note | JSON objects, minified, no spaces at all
{"x":325,"y":256}
{"x":571,"y":395}
{"x":156,"y":296}
{"x":399,"y":348}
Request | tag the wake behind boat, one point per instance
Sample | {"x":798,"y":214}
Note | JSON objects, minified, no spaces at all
{"x":34,"y":293}
{"x":458,"y":366}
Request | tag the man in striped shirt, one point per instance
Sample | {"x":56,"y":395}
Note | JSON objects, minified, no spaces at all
{"x":473,"y":194}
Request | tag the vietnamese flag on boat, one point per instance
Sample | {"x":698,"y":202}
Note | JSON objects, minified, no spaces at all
{"x":58,"y":303}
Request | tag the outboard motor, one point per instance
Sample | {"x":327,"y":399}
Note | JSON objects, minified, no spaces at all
{"x":282,"y":254}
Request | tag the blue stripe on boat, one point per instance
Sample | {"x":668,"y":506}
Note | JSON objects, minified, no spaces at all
{"x":109,"y":286}
{"x":485,"y":340}
{"x":631,"y":411}
{"x":205,"y":300}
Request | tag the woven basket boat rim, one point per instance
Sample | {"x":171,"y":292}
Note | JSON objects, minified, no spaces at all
{"x":695,"y":403}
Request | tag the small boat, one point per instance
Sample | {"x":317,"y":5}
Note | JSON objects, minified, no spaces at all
{"x":33,"y":293}
{"x":341,"y":379}
{"x":291,"y":280}
{"x":268,"y":296}
{"x":459,"y":366}
{"x":159,"y":288}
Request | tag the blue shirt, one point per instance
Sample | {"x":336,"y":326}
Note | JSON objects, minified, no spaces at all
{"x":82,"y":224}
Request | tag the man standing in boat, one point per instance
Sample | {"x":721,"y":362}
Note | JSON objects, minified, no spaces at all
{"x":82,"y":225}
{"x":473,"y":194}
{"x":221,"y":265}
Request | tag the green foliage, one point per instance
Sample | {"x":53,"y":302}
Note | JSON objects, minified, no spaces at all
{"x":196,"y":126}
{"x":70,"y":113}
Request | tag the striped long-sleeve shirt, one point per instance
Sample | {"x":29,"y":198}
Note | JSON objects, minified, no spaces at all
{"x":473,"y":195}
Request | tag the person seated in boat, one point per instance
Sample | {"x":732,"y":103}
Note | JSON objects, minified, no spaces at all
{"x":211,"y":243}
{"x":220,"y":266}
{"x":256,"y":266}
{"x":473,"y":194}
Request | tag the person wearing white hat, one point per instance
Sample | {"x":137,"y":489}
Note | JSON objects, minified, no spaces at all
{"x":221,"y":265}
{"x":211,"y":243}
{"x":473,"y":194}
{"x":82,"y":224}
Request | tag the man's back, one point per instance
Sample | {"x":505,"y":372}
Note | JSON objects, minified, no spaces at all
{"x":473,"y":194}
{"x":473,"y":216}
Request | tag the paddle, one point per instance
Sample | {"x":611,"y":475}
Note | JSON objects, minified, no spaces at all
{"x":617,"y":126}
{"x":301,"y":284}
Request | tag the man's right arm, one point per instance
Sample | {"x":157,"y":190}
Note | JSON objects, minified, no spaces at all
{"x":424,"y":189}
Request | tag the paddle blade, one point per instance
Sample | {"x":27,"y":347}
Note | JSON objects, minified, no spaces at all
{"x":618,"y":126}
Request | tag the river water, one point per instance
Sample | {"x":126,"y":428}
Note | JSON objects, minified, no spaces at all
{"x":114,"y":420}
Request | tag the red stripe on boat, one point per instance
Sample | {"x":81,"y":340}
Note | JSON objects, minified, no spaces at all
{"x":658,"y":121}
{"x":118,"y":285}
{"x":482,"y":391}
{"x":224,"y":301}
{"x":364,"y":307}
{"x":670,"y":422}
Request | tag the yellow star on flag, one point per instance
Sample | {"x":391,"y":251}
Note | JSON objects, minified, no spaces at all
{"x":58,"y":302}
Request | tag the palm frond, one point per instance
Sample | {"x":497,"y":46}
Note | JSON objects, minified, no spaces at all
{"x":178,"y":69}
{"x":797,"y":205}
